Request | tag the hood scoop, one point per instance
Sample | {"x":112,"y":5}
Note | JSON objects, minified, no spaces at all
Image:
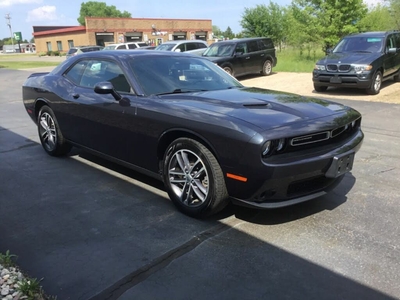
{"x":257,"y":105}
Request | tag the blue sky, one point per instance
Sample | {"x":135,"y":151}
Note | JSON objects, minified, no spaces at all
{"x":27,"y":13}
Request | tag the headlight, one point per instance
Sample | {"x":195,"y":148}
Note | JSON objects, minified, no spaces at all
{"x":361,"y":68}
{"x":319,"y":67}
{"x":266,"y":148}
{"x":271,"y":147}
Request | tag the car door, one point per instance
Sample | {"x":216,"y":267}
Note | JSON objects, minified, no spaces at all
{"x":256,"y":57}
{"x":240,"y":59}
{"x":390,"y":58}
{"x":99,"y":121}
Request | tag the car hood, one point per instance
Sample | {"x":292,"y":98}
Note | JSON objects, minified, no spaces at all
{"x":350,"y":58}
{"x":260,"y":107}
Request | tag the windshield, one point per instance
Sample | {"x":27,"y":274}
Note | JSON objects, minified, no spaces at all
{"x":359,"y":44}
{"x":165,"y":47}
{"x":219,"y":50}
{"x":180,"y":74}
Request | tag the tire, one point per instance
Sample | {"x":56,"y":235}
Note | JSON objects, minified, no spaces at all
{"x":194,"y":179}
{"x":376,"y":84}
{"x":50,"y":135}
{"x":228,"y":70}
{"x":267,"y":68}
{"x":320,"y":88}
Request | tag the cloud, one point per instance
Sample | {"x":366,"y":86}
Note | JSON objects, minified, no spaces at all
{"x":13,"y":2}
{"x":44,"y":13}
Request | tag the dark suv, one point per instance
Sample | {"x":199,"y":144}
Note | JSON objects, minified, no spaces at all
{"x":243,"y":56}
{"x":82,"y":49}
{"x":361,"y":61}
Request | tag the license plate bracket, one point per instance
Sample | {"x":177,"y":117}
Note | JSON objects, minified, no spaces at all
{"x":340,"y":165}
{"x":336,"y":79}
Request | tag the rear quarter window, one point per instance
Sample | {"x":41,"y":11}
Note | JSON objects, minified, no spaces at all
{"x":72,"y":51}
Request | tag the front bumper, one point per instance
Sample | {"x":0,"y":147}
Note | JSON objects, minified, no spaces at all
{"x":361,"y":81}
{"x":304,"y":179}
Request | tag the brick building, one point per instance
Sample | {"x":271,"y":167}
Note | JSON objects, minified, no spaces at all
{"x":103,"y":31}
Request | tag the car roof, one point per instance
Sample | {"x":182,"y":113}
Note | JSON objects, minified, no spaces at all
{"x":183,"y":41}
{"x":371,"y":34}
{"x":233,"y":41}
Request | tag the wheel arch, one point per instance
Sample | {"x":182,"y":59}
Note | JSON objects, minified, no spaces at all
{"x":39,"y":103}
{"x":169,"y":136}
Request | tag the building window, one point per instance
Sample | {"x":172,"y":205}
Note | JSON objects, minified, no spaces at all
{"x":59,"y":45}
{"x":70,"y":44}
{"x":48,"y":46}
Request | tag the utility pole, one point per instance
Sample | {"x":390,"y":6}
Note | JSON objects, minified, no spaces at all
{"x":8,"y":18}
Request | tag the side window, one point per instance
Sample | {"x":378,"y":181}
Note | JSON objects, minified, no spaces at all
{"x":200,"y":46}
{"x":390,"y":42}
{"x":191,"y":46}
{"x":181,"y":47}
{"x":132,"y":46}
{"x":396,"y":40}
{"x":252,"y":46}
{"x":241,"y":48}
{"x":97,"y":71}
{"x":121,"y":47}
{"x":75,"y":73}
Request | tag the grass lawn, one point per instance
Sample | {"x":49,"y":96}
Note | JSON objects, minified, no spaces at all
{"x":27,"y":64}
{"x":291,"y":60}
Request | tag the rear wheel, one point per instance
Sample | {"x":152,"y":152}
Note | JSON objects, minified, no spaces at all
{"x":319,"y":88}
{"x":49,"y":133}
{"x":267,"y":68}
{"x":193,"y":178}
{"x":376,"y":84}
{"x":228,"y":70}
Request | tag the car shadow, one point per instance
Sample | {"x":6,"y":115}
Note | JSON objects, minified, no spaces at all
{"x":253,"y":215}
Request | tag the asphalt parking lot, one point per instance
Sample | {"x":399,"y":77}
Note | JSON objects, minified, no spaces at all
{"x":94,"y":230}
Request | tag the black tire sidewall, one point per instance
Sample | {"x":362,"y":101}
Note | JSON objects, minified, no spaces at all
{"x":188,"y":144}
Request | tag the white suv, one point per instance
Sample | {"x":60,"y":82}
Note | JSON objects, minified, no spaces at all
{"x":182,"y":45}
{"x":124,"y":46}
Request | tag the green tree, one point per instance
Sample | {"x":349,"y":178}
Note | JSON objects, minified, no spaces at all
{"x":378,"y":18}
{"x":228,"y":33}
{"x":394,"y":9}
{"x":100,"y":9}
{"x":329,"y":19}
{"x":265,"y":20}
{"x":216,"y":31}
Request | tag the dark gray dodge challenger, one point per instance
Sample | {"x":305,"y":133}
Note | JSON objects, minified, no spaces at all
{"x":182,"y":119}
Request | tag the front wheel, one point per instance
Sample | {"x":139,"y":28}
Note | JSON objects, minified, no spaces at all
{"x":376,"y":84}
{"x":267,"y":68}
{"x":193,"y":178}
{"x":49,"y":133}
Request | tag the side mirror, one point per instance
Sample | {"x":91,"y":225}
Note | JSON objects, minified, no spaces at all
{"x":328,"y":51}
{"x":392,"y":50}
{"x":106,"y":87}
{"x":178,"y":50}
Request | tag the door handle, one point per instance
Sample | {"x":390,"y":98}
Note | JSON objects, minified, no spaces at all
{"x":248,"y":57}
{"x":75,"y":96}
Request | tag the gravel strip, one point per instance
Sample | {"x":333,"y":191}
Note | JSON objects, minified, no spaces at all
{"x":10,"y":279}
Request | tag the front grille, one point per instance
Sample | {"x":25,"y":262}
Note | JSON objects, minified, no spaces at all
{"x":338,"y":68}
{"x":309,"y":185}
{"x":322,"y":138}
{"x":311,"y":138}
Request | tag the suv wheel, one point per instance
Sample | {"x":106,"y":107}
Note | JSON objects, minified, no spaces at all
{"x":319,"y":88}
{"x":376,"y":84}
{"x":267,"y":68}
